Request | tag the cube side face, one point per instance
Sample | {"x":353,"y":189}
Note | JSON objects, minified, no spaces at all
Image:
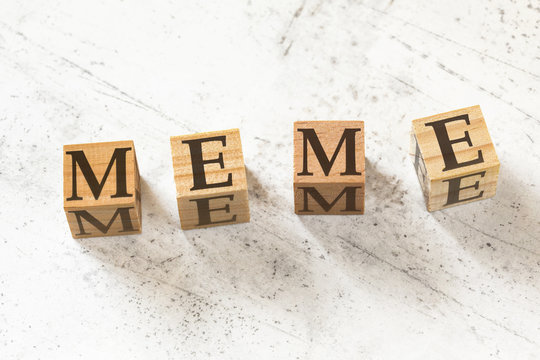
{"x":209,"y":173}
{"x":98,"y":221}
{"x":102,"y":193}
{"x":329,"y":167}
{"x":329,"y":198}
{"x":450,"y":151}
{"x":420,"y":167}
{"x":466,"y":188}
{"x":208,"y":211}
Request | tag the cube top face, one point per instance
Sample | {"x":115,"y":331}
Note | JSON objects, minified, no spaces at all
{"x":209,"y":162}
{"x":454,"y":143}
{"x":100,"y":174}
{"x":329,"y":152}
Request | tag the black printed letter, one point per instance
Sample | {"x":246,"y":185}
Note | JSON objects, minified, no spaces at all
{"x":197,"y":163}
{"x":350,"y":199}
{"x":124,"y":217}
{"x":454,"y":189}
{"x":203,"y":208}
{"x":445,"y":143}
{"x":119,"y":156}
{"x":350,"y":155}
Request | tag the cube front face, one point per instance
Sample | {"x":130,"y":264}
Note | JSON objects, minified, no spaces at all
{"x":329,"y":165}
{"x":102,"y":194}
{"x":210,"y":178}
{"x":454,"y":158}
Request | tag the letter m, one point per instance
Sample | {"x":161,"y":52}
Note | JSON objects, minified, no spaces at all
{"x":348,"y":138}
{"x":124,"y":218}
{"x":79,"y":158}
{"x":350,"y":199}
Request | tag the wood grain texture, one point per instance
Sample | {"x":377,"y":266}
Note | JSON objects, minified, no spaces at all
{"x":454,"y":158}
{"x":398,"y":282}
{"x":329,"y":167}
{"x":94,"y":196}
{"x":221,"y":174}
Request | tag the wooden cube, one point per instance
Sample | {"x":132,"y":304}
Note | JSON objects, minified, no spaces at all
{"x":102,"y":191}
{"x":454,"y":158}
{"x":329,"y":163}
{"x":210,"y":177}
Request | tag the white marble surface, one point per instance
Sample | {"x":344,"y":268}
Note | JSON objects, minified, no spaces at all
{"x":398,"y":282}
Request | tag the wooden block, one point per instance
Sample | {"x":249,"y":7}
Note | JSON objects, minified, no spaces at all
{"x":210,"y":177}
{"x":102,"y":191}
{"x":454,"y":158}
{"x":329,"y":164}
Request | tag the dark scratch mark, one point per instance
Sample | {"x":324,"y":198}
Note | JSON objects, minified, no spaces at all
{"x":287,"y":49}
{"x":491,"y":236}
{"x":451,"y":72}
{"x":440,"y":292}
{"x":261,"y":139}
{"x":452,"y":41}
{"x":316,"y":8}
{"x":466,"y":80}
{"x":412,"y":87}
{"x":93,"y":76}
{"x":120,"y":99}
{"x":509,"y":103}
{"x":171,"y":259}
{"x":295,"y":16}
{"x":285,"y":332}
{"x":159,"y":281}
{"x":116,"y":88}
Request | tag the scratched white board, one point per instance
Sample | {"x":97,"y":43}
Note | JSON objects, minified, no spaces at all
{"x":395,"y":282}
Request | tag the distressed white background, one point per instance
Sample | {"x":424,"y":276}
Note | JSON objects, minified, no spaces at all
{"x":397,"y":282}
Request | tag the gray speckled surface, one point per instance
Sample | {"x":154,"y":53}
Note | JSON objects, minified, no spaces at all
{"x":397,"y":282}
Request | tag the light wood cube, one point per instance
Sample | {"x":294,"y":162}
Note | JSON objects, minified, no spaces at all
{"x":454,"y":158}
{"x":210,"y":177}
{"x":329,"y":164}
{"x":102,"y":192}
